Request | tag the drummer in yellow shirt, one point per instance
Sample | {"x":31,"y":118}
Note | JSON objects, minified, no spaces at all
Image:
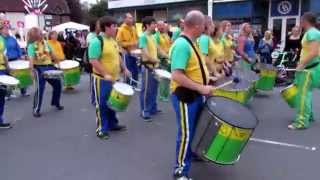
{"x":107,"y":65}
{"x":3,"y":71}
{"x":150,"y":61}
{"x":164,"y":42}
{"x":41,"y":60}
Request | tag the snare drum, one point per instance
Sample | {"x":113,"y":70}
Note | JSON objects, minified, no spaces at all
{"x":20,"y":69}
{"x":53,"y":74}
{"x":268,"y":75}
{"x":239,"y":92}
{"x":71,"y":72}
{"x":8,"y":82}
{"x":120,"y":97}
{"x":223,"y":130}
{"x":289,"y":94}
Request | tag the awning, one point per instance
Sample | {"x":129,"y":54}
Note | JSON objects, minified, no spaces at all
{"x":70,"y":25}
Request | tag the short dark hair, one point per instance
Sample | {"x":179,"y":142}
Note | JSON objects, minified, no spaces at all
{"x":310,"y":17}
{"x":93,"y":24}
{"x":107,"y":21}
{"x":147,"y":21}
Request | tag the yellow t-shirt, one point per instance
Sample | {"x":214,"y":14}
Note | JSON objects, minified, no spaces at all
{"x":164,"y":42}
{"x":2,"y":55}
{"x":40,"y":51}
{"x":218,"y":51}
{"x":228,"y":49}
{"x":183,"y":57}
{"x":109,"y":57}
{"x":148,"y":41}
{"x":57,"y":49}
{"x":126,"y":35}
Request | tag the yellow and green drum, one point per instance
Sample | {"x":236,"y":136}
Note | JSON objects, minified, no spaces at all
{"x":289,"y":94}
{"x":268,"y":75}
{"x":120,"y":97}
{"x":71,"y":72}
{"x":223,"y":130}
{"x":20,"y":69}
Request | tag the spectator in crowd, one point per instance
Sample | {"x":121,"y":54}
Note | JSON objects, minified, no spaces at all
{"x":265,"y":48}
{"x":293,"y":42}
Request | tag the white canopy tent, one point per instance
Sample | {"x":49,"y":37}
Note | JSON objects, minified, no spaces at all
{"x":70,"y":25}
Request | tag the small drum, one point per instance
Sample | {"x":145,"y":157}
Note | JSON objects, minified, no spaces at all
{"x":137,"y":53}
{"x":8,"y":82}
{"x":71,"y":72}
{"x":268,"y":75}
{"x":223,"y":130}
{"x":20,"y":69}
{"x":120,"y":97}
{"x":289,"y":95}
{"x":162,"y":74}
{"x":53,"y":74}
{"x":239,"y":92}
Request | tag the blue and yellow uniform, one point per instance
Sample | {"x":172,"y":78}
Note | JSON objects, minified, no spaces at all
{"x":183,"y":57}
{"x":149,"y":91}
{"x":3,"y":71}
{"x":306,"y":81}
{"x":110,"y":60}
{"x":40,"y":52}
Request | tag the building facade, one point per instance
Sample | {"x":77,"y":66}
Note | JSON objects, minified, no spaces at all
{"x":57,"y":12}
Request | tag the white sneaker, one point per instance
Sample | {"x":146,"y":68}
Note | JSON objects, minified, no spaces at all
{"x":183,"y":178}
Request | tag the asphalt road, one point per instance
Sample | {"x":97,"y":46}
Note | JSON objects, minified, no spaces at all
{"x":63,"y":145}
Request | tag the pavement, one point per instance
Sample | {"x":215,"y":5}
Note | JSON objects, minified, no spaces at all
{"x":61,"y":145}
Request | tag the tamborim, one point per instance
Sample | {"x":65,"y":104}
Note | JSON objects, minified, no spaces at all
{"x":223,"y":130}
{"x":120,"y":96}
{"x":20,"y":69}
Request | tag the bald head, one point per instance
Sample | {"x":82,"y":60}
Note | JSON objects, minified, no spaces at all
{"x":194,"y":18}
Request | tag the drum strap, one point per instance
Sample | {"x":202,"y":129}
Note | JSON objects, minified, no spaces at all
{"x":204,"y":77}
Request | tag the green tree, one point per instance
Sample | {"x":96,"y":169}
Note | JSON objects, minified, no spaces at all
{"x":99,"y":9}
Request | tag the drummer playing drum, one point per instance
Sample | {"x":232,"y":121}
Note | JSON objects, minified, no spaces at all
{"x":107,"y":65}
{"x":40,"y":56}
{"x":189,"y":83}
{"x":3,"y":71}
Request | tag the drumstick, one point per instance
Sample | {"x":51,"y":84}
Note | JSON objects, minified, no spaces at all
{"x":235,"y":80}
{"x":294,"y":70}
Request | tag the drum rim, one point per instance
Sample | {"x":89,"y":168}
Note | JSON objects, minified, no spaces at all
{"x":114,"y":86}
{"x":26,"y":64}
{"x":253,"y":115}
{"x":75,"y":63}
{"x":165,"y":73}
{"x":11,"y":78}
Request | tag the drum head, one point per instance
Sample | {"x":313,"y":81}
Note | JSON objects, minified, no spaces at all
{"x":163,"y":73}
{"x":53,"y":72}
{"x":123,"y":88}
{"x":136,"y":52}
{"x":232,"y":112}
{"x":68,"y":64}
{"x":242,"y":85}
{"x":19,"y":64}
{"x":245,"y":74}
{"x":8,"y":80}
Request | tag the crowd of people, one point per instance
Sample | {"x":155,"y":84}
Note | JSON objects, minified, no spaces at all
{"x":198,"y":53}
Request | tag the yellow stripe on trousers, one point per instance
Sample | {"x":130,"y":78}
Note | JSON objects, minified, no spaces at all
{"x":182,"y":148}
{"x":97,"y":96}
{"x":303,"y":97}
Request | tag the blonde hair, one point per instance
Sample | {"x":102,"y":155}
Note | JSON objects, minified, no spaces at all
{"x":33,"y":35}
{"x":224,"y":25}
{"x":52,"y":33}
{"x":242,"y":31}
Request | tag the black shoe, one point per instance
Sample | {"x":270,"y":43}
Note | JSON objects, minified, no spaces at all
{"x":118,"y":128}
{"x":36,"y":114}
{"x":60,"y":108}
{"x":102,"y":136}
{"x":180,"y":177}
{"x":5,"y":126}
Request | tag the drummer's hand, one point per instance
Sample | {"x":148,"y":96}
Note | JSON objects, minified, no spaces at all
{"x":127,"y":73}
{"x":107,"y":77}
{"x":300,"y":67}
{"x":206,"y":90}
